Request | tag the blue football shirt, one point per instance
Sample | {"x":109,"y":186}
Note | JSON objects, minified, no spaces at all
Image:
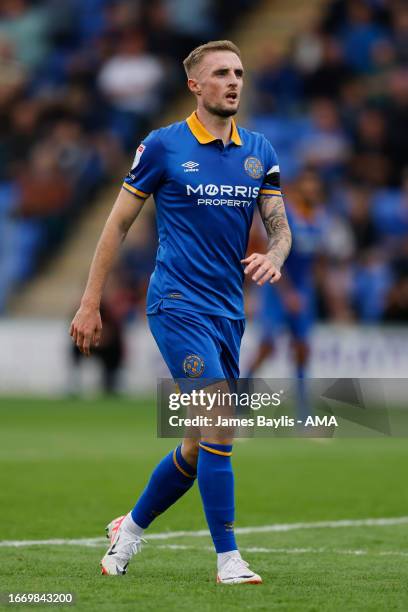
{"x":309,"y":231}
{"x":205,"y":195}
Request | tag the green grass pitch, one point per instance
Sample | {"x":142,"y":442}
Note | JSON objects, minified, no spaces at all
{"x":67,"y":467}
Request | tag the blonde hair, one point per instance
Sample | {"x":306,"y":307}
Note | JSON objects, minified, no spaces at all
{"x":197,"y":54}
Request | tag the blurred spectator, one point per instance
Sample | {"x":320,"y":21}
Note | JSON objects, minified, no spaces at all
{"x":370,"y":163}
{"x":335,"y":284}
{"x":397,"y":122}
{"x":372,"y":280}
{"x":358,"y":202}
{"x":26,"y":27}
{"x":396,"y":308}
{"x":308,"y":49}
{"x":13,"y":75}
{"x":279,"y":87}
{"x":400,"y":30}
{"x":359,"y":34}
{"x":23,"y":131}
{"x":192,"y":21}
{"x":352,"y":101}
{"x":162,"y":41}
{"x":138,"y":259}
{"x":325,"y":147}
{"x":390,"y":215}
{"x":384,"y":60}
{"x":110,"y":353}
{"x":331,"y":72}
{"x":77,"y":159}
{"x":130,"y":81}
{"x":44,"y":188}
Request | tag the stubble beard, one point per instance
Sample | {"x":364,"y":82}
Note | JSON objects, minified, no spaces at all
{"x":218,"y":111}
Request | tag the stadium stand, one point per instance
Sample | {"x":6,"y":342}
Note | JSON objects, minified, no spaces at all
{"x":337,"y":102}
{"x":333,"y":98}
{"x":67,"y":115}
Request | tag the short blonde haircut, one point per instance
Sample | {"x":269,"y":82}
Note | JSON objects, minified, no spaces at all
{"x":197,"y":54}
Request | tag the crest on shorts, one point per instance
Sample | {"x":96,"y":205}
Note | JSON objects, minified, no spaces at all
{"x":193,"y":366}
{"x":253,"y":166}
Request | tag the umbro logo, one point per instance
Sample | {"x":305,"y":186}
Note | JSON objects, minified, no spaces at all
{"x":190,"y":166}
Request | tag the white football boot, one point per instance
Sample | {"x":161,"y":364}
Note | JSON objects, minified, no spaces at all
{"x":123,"y":545}
{"x":236,"y":571}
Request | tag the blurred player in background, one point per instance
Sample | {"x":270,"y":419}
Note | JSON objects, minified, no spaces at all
{"x":291,"y":304}
{"x":109,"y":353}
{"x":207,"y":175}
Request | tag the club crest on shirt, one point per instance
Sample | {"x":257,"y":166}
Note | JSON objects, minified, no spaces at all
{"x":253,"y":166}
{"x":193,"y":366}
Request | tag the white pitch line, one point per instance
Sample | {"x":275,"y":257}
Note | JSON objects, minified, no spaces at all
{"x":168,"y":535}
{"x":292,"y":551}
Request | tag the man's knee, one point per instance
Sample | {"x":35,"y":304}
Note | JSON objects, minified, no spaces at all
{"x":301,"y":351}
{"x":222,"y":438}
{"x":189,"y":450}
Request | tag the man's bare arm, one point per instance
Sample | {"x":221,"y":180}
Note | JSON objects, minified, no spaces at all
{"x":266,"y":267}
{"x":273,"y":214}
{"x":86,"y":326}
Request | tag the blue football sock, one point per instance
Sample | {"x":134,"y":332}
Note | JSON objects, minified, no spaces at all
{"x":170,"y":480}
{"x":302,"y":394}
{"x":216,"y":483}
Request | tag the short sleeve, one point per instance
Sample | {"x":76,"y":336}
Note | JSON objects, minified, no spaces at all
{"x":271,"y":180}
{"x":147,"y":168}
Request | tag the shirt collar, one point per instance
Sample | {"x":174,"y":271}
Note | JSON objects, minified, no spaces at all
{"x":203,"y":135}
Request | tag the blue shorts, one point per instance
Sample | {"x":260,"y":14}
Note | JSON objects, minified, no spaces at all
{"x":275,"y":318}
{"x":196,"y":345}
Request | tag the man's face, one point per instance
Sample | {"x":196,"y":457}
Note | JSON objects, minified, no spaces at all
{"x":217,"y":81}
{"x":310,"y":188}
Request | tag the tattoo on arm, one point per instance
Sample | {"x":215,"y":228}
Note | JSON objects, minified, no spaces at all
{"x":274,"y":218}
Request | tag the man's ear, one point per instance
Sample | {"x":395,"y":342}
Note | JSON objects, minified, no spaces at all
{"x":194,"y":86}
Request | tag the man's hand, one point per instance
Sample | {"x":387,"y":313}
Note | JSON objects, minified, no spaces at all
{"x":263,"y":267}
{"x":86,"y":328}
